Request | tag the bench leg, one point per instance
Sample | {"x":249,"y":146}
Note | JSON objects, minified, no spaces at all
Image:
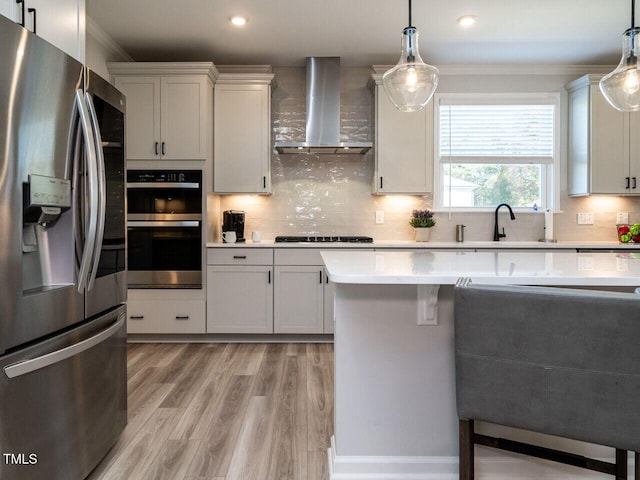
{"x":621,"y":464}
{"x":466,"y":450}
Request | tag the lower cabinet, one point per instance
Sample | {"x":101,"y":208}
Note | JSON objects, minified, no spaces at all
{"x":239,"y":290}
{"x":166,"y":316}
{"x":239,"y":299}
{"x":299,"y":299}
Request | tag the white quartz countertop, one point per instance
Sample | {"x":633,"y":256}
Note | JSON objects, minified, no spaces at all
{"x":518,"y":268}
{"x":435,"y":245}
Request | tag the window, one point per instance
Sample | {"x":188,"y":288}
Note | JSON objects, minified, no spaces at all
{"x":496,"y":149}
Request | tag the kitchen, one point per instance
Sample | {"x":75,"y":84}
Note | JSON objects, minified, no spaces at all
{"x":332,"y":194}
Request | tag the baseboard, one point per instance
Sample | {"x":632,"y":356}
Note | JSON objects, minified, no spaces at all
{"x":504,"y":466}
{"x":228,"y":338}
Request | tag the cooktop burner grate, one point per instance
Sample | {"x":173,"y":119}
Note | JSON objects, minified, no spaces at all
{"x":323,"y":239}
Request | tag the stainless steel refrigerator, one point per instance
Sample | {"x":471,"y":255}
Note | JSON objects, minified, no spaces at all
{"x":62,"y":262}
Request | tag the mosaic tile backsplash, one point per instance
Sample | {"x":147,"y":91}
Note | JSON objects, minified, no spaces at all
{"x":331,"y":194}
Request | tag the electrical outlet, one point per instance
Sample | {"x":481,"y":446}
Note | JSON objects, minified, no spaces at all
{"x":379,"y":217}
{"x":585,"y":219}
{"x":622,"y":218}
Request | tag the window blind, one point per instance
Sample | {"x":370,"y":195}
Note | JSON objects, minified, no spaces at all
{"x":497,"y":133}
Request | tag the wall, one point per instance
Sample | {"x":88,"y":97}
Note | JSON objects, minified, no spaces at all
{"x":331,"y":195}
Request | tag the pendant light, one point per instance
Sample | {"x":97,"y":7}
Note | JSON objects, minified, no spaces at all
{"x":411,"y":83}
{"x":621,"y":87}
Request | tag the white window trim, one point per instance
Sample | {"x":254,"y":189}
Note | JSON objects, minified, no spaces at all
{"x":551,"y":186}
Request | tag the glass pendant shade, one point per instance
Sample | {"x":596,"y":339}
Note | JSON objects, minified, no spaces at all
{"x":621,"y":87}
{"x":411,"y":83}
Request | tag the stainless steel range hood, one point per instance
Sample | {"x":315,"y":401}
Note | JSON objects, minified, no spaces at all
{"x":323,"y":113}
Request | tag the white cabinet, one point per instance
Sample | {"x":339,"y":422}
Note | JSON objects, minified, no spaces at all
{"x":166,"y":316}
{"x":62,"y":23}
{"x":9,"y":9}
{"x":604,"y":144}
{"x":169,"y":109}
{"x":239,"y":290}
{"x":299,"y":299}
{"x":403,"y":146}
{"x":303,"y":296}
{"x":242,"y":133}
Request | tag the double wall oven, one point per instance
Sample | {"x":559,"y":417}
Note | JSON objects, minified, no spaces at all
{"x":165,"y":228}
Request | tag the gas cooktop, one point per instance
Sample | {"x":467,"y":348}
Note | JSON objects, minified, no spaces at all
{"x":323,"y":239}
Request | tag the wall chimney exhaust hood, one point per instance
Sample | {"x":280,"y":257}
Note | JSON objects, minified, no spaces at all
{"x":323,"y":113}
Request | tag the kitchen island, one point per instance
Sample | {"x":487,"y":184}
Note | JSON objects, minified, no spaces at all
{"x":395,"y":409}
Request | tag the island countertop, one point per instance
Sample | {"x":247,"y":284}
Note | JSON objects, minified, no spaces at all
{"x":518,"y":268}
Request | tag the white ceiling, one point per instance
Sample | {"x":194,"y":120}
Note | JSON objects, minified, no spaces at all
{"x":366,"y":32}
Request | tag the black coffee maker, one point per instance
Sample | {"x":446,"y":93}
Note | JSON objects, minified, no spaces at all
{"x":233,"y":221}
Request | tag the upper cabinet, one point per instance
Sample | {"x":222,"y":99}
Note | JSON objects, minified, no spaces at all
{"x":62,"y":23}
{"x":403,"y":146}
{"x":242,"y":132}
{"x":169,"y":109}
{"x":604,"y":144}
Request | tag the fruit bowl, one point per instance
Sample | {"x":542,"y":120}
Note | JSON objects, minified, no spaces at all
{"x":628,"y":233}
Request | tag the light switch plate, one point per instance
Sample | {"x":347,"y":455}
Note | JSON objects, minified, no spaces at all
{"x":379,"y":217}
{"x":585,"y":219}
{"x":622,"y":218}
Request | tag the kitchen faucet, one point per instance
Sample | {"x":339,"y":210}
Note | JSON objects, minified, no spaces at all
{"x":496,"y":232}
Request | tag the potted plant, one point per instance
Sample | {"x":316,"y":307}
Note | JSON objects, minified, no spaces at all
{"x":422,"y":221}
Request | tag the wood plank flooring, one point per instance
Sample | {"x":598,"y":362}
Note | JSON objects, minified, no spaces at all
{"x":225,"y":412}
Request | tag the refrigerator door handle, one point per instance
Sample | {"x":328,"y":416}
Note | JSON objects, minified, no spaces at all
{"x":92,"y":203}
{"x":102,"y":189}
{"x":33,"y":364}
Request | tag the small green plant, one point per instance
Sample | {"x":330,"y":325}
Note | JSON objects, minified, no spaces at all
{"x":422,"y":219}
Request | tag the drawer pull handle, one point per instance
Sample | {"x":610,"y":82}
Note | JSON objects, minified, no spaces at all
{"x":182,"y":317}
{"x":240,"y":257}
{"x":136,"y":317}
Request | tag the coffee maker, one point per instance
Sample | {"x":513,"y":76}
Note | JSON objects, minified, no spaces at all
{"x":233,"y":221}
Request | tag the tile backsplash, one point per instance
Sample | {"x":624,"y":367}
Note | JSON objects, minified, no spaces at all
{"x":331,"y":194}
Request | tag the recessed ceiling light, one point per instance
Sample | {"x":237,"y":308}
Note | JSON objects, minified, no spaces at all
{"x":467,"y":20}
{"x":238,"y":21}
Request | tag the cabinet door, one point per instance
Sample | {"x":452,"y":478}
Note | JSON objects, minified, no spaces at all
{"x":329,"y":294}
{"x":143,"y":116}
{"x":299,"y":299}
{"x":239,"y":299}
{"x":9,"y":9}
{"x":634,"y":154}
{"x":609,"y":146}
{"x":183,"y":118}
{"x":404,"y":148}
{"x":242,"y":146}
{"x":61,"y":23}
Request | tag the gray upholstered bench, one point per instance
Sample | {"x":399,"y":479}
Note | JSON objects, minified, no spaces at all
{"x":558,"y":361}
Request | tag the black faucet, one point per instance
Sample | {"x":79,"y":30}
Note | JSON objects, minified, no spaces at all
{"x":496,"y":232}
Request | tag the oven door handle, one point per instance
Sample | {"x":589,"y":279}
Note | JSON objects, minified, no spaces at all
{"x":176,"y":185}
{"x":165,"y":224}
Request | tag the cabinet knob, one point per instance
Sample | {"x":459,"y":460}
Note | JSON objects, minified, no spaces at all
{"x":239,"y":257}
{"x":182,"y":317}
{"x":634,"y":182}
{"x":163,"y":149}
{"x":155,"y":149}
{"x":136,"y":317}
{"x":21,"y":2}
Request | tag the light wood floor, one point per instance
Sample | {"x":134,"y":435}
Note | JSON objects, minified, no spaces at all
{"x":225,"y":412}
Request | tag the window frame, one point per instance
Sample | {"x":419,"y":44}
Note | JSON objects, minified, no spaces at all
{"x":550,"y":171}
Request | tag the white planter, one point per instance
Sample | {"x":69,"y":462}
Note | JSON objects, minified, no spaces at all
{"x":422,"y":234}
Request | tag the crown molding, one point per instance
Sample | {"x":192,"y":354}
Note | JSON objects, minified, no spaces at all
{"x":104,"y":39}
{"x":164,"y":68}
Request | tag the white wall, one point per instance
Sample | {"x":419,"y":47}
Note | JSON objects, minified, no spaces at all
{"x":331,"y":195}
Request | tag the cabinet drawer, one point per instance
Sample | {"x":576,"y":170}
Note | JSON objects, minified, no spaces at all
{"x":151,"y":316}
{"x":239,"y":256}
{"x":306,"y":256}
